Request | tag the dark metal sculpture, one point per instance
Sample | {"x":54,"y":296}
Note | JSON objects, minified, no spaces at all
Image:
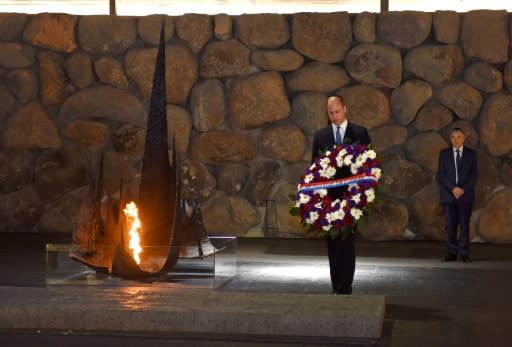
{"x":157,"y":192}
{"x":168,"y":233}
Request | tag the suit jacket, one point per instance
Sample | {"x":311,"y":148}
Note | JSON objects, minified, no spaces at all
{"x":324,"y":139}
{"x":467,"y":175}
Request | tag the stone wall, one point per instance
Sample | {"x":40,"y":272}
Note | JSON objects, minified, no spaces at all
{"x":245,"y":95}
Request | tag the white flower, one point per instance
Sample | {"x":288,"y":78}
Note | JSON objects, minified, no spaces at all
{"x":313,"y":216}
{"x":328,"y":172}
{"x":339,"y":214}
{"x":356,"y":198}
{"x":325,"y":162}
{"x":360,"y":161}
{"x":308,"y":178}
{"x":370,"y":195}
{"x":348,"y":160}
{"x":371,"y":154}
{"x":303,"y":198}
{"x":330,"y":217}
{"x":356,"y":213}
{"x":377,"y":172}
{"x":340,"y":157}
{"x":334,"y":216}
{"x":321,"y":192}
{"x":318,"y":205}
{"x":326,"y":227}
{"x":353,"y":169}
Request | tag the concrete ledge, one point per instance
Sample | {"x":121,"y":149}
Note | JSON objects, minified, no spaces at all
{"x":181,"y":310}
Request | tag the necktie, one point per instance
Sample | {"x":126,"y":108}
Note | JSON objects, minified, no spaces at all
{"x":338,"y":135}
{"x":457,"y":163}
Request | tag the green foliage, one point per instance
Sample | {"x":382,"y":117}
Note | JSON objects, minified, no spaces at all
{"x":294,"y":211}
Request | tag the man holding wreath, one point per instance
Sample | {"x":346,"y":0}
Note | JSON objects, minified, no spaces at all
{"x":341,"y":250}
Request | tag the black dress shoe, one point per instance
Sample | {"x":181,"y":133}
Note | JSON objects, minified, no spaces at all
{"x":344,"y":291}
{"x":449,"y":257}
{"x":465,"y":258}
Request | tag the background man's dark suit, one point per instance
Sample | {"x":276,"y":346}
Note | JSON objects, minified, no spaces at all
{"x":458,"y":211}
{"x":341,"y":252}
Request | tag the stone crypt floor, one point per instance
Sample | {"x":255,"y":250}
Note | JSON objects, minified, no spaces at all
{"x":428,"y":303}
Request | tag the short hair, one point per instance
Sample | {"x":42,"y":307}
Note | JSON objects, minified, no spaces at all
{"x":339,"y":97}
{"x":457,"y":130}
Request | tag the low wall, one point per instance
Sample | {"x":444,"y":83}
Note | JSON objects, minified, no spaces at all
{"x":269,"y":317}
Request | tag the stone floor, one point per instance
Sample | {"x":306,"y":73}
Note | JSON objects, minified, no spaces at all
{"x":428,"y":303}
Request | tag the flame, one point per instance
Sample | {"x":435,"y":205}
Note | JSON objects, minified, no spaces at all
{"x":132,"y":214}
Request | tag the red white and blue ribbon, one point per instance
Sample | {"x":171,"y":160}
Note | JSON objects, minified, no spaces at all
{"x":337,"y":183}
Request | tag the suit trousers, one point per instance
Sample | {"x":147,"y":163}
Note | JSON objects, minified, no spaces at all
{"x":342,"y":263}
{"x":457,"y":216}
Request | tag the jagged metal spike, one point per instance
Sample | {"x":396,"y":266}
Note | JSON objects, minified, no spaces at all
{"x":198,"y":217}
{"x":99,"y":196}
{"x":120,"y":212}
{"x":178,"y":215}
{"x":90,"y":223}
{"x":90,"y":226}
{"x":197,"y":235}
{"x":155,"y":200}
{"x":175,"y":184}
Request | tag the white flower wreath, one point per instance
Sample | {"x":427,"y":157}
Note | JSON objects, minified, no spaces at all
{"x":324,"y":214}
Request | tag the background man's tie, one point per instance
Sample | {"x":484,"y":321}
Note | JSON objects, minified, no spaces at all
{"x":457,"y":164}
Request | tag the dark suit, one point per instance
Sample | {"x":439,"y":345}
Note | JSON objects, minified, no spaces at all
{"x":457,"y":211}
{"x":341,"y":252}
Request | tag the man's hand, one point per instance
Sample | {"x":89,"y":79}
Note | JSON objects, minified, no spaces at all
{"x":457,"y":192}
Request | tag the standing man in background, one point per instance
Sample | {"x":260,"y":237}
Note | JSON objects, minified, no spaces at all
{"x":341,"y":251}
{"x":457,"y":178}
